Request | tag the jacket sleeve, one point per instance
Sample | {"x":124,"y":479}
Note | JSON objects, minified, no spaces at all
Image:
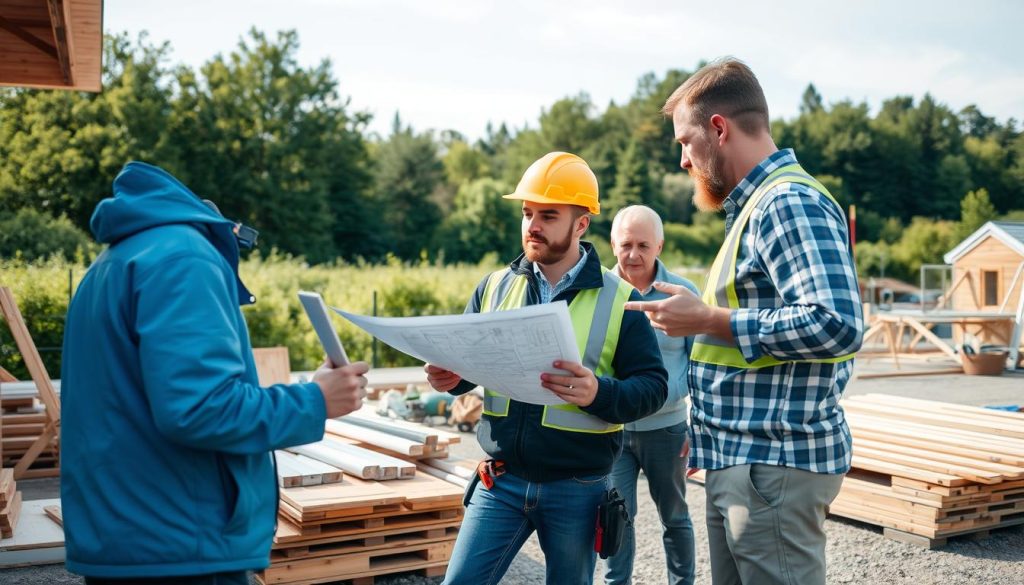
{"x":472,"y":307}
{"x":640,"y":385}
{"x":193,"y":365}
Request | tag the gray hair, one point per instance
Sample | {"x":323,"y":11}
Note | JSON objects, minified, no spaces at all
{"x":639,"y":213}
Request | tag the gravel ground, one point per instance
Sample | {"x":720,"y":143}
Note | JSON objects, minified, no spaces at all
{"x":857,"y":553}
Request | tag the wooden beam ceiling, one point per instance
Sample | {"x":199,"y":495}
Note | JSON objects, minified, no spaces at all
{"x":51,"y":43}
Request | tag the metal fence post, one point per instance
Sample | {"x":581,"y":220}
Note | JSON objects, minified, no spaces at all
{"x":373,"y":359}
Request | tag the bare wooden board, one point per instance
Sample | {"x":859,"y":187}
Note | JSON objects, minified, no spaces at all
{"x":38,"y":540}
{"x":349,"y":494}
{"x":272,"y":365}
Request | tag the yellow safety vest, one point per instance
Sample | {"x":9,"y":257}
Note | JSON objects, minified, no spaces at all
{"x":720,"y":288}
{"x":596,"y":320}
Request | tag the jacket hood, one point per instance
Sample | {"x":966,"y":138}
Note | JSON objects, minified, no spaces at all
{"x":146,"y":196}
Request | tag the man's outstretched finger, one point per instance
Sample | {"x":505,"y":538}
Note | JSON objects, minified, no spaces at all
{"x":672,"y":289}
{"x":642,"y":305}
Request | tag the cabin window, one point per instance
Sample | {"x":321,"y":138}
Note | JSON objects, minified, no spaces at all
{"x":990,"y":287}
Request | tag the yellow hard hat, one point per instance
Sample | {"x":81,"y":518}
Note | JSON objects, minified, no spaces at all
{"x":559,"y":177}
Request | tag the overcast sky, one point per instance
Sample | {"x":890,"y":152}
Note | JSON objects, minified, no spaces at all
{"x":459,"y":64}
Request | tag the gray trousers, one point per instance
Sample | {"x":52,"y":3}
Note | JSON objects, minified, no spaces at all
{"x":766,"y":524}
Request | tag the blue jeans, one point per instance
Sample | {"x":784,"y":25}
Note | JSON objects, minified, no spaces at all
{"x":657,"y":454}
{"x":499,"y":520}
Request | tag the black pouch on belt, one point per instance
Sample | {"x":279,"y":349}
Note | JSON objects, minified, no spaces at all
{"x":612,"y":521}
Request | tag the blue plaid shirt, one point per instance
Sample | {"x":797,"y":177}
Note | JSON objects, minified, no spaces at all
{"x":797,"y":287}
{"x":547,"y":292}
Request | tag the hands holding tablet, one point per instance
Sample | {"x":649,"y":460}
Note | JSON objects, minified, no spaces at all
{"x":343,"y":388}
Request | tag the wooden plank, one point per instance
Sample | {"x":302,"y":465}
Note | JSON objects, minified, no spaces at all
{"x":973,"y":412}
{"x":60,"y":26}
{"x":416,"y":435}
{"x":9,"y":516}
{"x":940,"y":457}
{"x":908,"y":373}
{"x":1004,"y":429}
{"x":54,"y":513}
{"x":358,"y":462}
{"x":7,"y":486}
{"x":871,"y":464}
{"x":349,"y":494}
{"x":290,"y":535}
{"x":364,"y":435}
{"x":272,"y":365}
{"x":34,"y":364}
{"x":370,"y":542}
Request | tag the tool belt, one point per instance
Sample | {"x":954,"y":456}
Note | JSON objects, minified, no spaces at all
{"x":486,"y":472}
{"x":612,"y":522}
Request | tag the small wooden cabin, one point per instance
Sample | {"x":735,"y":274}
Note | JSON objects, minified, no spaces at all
{"x":988,"y":273}
{"x":51,"y":44}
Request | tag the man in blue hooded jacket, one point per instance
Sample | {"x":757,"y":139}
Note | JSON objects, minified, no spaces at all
{"x":166,"y":471}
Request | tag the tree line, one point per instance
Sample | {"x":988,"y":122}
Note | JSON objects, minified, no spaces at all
{"x":279,"y":146}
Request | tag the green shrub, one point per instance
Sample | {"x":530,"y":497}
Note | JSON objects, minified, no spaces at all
{"x":31,"y":235}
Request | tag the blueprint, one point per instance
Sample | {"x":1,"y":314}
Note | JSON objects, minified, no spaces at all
{"x":504,"y":351}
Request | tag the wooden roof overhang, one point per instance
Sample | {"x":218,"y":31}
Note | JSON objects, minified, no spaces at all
{"x":51,"y":44}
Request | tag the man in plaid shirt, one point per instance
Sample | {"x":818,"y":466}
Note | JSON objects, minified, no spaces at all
{"x":775,"y":330}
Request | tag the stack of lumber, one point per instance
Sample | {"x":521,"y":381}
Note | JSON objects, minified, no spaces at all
{"x":928,"y":470}
{"x":39,"y":539}
{"x":380,"y":517}
{"x":298,"y":470}
{"x":384,"y":434}
{"x":22,"y":420}
{"x":10,"y":503}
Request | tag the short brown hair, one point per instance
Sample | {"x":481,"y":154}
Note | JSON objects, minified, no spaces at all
{"x":726,"y":87}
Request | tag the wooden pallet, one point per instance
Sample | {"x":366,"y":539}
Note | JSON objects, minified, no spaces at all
{"x":927,"y":471}
{"x":289,"y":533}
{"x":359,"y":565}
{"x":371,"y":541}
{"x":429,"y":571}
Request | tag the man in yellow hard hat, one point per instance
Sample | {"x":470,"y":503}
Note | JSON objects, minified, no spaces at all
{"x":550,"y":464}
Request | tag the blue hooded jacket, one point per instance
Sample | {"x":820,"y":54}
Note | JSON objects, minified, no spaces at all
{"x":166,"y":433}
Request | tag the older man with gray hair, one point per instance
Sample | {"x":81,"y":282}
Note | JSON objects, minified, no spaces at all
{"x":656,"y":444}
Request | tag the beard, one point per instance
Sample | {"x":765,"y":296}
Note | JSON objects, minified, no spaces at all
{"x":551,"y":252}
{"x":709,"y":188}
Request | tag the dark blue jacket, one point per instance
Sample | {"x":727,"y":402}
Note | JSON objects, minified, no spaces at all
{"x":166,"y":433}
{"x":537,"y":453}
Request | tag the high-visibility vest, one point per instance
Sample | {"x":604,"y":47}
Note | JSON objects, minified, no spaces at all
{"x":720,"y":288}
{"x":596,"y":321}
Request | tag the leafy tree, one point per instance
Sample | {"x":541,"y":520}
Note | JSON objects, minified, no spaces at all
{"x":407,"y":173}
{"x":811,"y":101}
{"x":464,"y":164}
{"x":59,"y":151}
{"x":975,"y":211}
{"x":287,"y":157}
{"x":633,"y":186}
{"x":483,"y":222}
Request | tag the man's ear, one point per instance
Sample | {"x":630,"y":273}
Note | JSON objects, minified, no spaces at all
{"x":720,"y":127}
{"x":584,"y":224}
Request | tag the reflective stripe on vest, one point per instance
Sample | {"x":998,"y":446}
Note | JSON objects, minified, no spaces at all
{"x":596,"y":316}
{"x":720,"y":288}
